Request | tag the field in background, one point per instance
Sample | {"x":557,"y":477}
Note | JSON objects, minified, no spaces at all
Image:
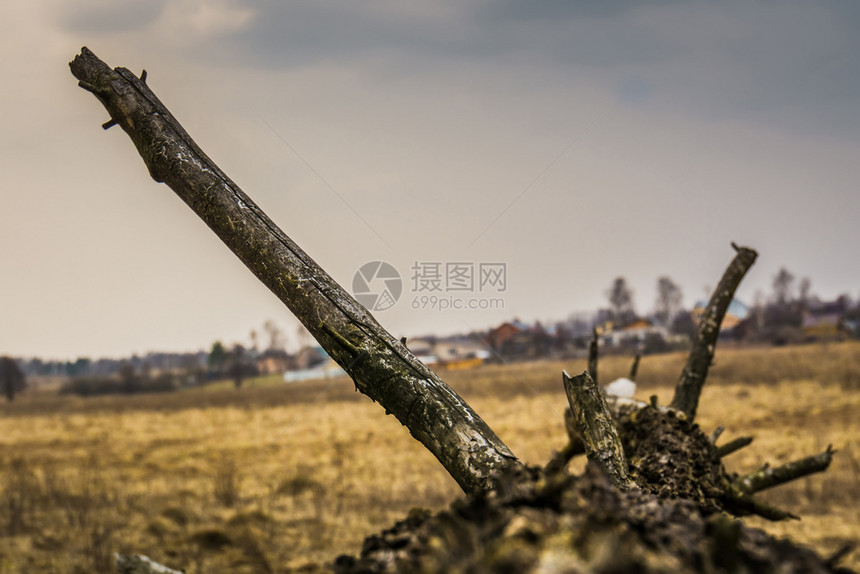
{"x":274,"y":475}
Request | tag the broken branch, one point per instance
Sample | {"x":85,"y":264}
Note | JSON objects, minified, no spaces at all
{"x":381,"y":366}
{"x":742,"y":503}
{"x":634,"y":368}
{"x":592,"y":356}
{"x":734,"y":446}
{"x":689,"y":387}
{"x":769,"y":477}
{"x":716,"y":434}
{"x":595,"y":425}
{"x":560,"y":459}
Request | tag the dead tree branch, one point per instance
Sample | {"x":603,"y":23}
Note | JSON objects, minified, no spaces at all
{"x":734,"y":446}
{"x":381,"y":366}
{"x":592,"y":356}
{"x":634,"y":368}
{"x":769,"y":477}
{"x":716,"y":434}
{"x":560,"y":459}
{"x":597,"y":428}
{"x":743,"y":504}
{"x":689,"y":387}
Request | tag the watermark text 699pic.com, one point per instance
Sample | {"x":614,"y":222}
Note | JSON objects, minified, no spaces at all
{"x":452,"y":303}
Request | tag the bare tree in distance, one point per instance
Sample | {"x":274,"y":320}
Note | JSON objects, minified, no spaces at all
{"x":783,"y":287}
{"x":277,"y":338}
{"x":784,"y":314}
{"x":669,"y":297}
{"x":804,"y":292}
{"x":620,"y":297}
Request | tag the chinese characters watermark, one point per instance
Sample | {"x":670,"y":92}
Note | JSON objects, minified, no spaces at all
{"x":435,"y":285}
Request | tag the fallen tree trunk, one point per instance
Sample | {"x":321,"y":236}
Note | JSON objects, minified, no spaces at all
{"x":381,"y":366}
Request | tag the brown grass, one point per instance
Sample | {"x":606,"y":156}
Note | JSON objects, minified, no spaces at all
{"x":273,"y":476}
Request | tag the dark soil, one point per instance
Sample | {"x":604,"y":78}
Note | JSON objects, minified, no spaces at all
{"x":536,"y":520}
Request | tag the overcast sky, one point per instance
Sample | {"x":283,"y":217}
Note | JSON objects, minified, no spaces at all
{"x":572,"y":141}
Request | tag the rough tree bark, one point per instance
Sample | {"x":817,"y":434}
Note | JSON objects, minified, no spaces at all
{"x":381,"y":366}
{"x":595,"y":425}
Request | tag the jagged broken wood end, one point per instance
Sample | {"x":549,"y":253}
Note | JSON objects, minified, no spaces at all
{"x":595,"y":425}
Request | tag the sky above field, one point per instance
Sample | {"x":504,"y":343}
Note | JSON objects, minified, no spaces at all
{"x":539,"y":149}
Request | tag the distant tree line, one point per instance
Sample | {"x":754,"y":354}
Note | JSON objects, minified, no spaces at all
{"x":164,"y":372}
{"x":792,"y":311}
{"x":778,"y":318}
{"x":237,"y":364}
{"x":84,"y":366}
{"x":127,"y":381}
{"x":676,"y":322}
{"x":784,"y":316}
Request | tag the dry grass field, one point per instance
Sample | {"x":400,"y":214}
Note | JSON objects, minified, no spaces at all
{"x":274,"y":476}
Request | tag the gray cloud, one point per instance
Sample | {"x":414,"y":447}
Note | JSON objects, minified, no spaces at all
{"x":792,"y":65}
{"x":108,"y":16}
{"x":563,"y":9}
{"x":301,"y":34}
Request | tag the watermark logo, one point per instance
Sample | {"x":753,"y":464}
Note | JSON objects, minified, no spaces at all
{"x":377,"y":285}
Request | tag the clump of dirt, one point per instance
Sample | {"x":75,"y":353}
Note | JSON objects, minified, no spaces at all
{"x":538,"y":522}
{"x":671,"y":457}
{"x":546,"y":520}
